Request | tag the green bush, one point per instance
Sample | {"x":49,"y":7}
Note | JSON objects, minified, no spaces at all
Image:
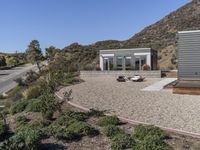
{"x":112,"y":130}
{"x":62,"y":133}
{"x":20,"y":82}
{"x":82,"y":129}
{"x":34,"y":105}
{"x":70,"y":80}
{"x":18,"y":106}
{"x":108,"y":120}
{"x":32,"y":92}
{"x":21,"y":120}
{"x":79,"y":116}
{"x":70,"y":117}
{"x":48,"y":105}
{"x":96,"y":113}
{"x":122,"y":141}
{"x":3,"y":130}
{"x":152,"y":143}
{"x":31,"y":76}
{"x":48,"y":115}
{"x":141,"y":131}
{"x":2,"y":97}
{"x":26,"y":139}
{"x":39,"y":124}
{"x":64,"y":120}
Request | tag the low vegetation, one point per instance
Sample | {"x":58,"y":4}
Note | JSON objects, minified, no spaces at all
{"x":3,"y":130}
{"x":8,"y":61}
{"x":108,"y":120}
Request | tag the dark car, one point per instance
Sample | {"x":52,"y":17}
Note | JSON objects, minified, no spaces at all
{"x":121,"y":79}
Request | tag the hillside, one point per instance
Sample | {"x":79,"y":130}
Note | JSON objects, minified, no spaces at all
{"x":161,"y":36}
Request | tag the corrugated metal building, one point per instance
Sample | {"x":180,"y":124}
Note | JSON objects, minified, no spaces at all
{"x":189,"y":55}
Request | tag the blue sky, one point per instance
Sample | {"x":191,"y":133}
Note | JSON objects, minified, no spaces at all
{"x":62,"y":22}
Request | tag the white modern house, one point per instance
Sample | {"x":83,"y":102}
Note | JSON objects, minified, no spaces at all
{"x":128,"y":59}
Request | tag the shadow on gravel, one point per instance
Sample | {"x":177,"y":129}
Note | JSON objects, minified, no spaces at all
{"x":4,"y":74}
{"x":52,"y":146}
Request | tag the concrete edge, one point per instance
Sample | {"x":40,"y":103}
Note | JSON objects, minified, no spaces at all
{"x":134,"y":122}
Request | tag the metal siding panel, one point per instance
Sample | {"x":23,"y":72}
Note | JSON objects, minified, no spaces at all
{"x":189,"y":55}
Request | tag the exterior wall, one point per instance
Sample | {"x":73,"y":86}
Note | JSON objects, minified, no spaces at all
{"x":148,"y":52}
{"x":146,"y":74}
{"x":189,"y":55}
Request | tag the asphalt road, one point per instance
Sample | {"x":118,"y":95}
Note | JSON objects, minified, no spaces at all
{"x":7,"y":77}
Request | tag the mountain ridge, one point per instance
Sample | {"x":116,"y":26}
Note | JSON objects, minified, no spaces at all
{"x":160,"y":36}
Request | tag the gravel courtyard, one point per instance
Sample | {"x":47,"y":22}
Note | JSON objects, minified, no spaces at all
{"x":127,"y":100}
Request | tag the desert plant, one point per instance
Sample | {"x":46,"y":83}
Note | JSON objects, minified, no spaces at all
{"x":89,"y":67}
{"x":67,"y":96}
{"x":39,"y":124}
{"x":2,"y":97}
{"x":152,"y":143}
{"x":146,"y":67}
{"x":122,"y":141}
{"x":20,"y":82}
{"x":48,"y":105}
{"x":21,"y":120}
{"x":141,"y":131}
{"x":79,"y":116}
{"x":96,"y":113}
{"x":108,"y":120}
{"x":3,"y":130}
{"x":31,"y":76}
{"x":26,"y":139}
{"x":34,"y":105}
{"x":62,"y":133}
{"x":62,"y":120}
{"x":32,"y":92}
{"x":18,"y":106}
{"x":112,"y":130}
{"x":82,"y":129}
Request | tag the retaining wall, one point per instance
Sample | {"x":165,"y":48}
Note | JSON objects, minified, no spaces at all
{"x":146,"y":74}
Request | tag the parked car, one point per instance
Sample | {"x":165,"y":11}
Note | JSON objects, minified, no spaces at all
{"x":136,"y":78}
{"x":121,"y":79}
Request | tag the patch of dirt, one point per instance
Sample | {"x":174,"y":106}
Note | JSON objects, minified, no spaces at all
{"x":99,"y":142}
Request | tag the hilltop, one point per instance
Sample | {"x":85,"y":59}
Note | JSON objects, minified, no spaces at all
{"x":160,"y":36}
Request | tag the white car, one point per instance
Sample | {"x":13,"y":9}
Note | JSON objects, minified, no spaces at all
{"x":136,"y":78}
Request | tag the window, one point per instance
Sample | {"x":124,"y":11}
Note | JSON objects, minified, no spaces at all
{"x":128,"y":63}
{"x":105,"y":64}
{"x":108,"y":63}
{"x":119,"y":63}
{"x":111,"y":63}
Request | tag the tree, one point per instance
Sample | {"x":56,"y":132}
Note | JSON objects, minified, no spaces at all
{"x":51,"y":52}
{"x":2,"y":61}
{"x":34,"y":53}
{"x":11,"y":61}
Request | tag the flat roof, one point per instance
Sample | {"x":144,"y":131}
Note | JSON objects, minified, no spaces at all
{"x":128,"y":49}
{"x":192,"y":31}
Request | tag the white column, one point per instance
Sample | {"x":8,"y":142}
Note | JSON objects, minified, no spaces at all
{"x":101,"y":62}
{"x":140,"y":64}
{"x":148,"y":57}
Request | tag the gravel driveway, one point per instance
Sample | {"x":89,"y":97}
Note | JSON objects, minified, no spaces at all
{"x":161,"y":108}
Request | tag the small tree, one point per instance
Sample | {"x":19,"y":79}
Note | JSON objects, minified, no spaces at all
{"x":48,"y":104}
{"x":2,"y":61}
{"x":11,"y":61}
{"x":34,"y":53}
{"x":146,"y":67}
{"x":51,"y":52}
